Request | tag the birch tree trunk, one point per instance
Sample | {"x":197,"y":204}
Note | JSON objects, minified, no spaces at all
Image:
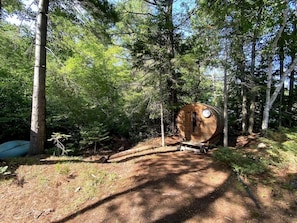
{"x":37,"y":134}
{"x":161,"y":111}
{"x":268,"y":99}
{"x":241,"y":64}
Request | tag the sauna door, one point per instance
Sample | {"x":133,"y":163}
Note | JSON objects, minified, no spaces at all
{"x":188,"y":122}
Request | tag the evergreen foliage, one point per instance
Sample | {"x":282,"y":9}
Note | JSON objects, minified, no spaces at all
{"x":110,"y":67}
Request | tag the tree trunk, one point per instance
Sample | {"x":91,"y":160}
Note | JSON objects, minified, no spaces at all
{"x":241,"y":64}
{"x":292,"y":97}
{"x":253,"y":90}
{"x":291,"y":90}
{"x":0,"y":10}
{"x":225,"y":140}
{"x":162,"y":125}
{"x":172,"y":76}
{"x":281,"y":95}
{"x":269,"y":99}
{"x":37,"y":134}
{"x":244,"y":112}
{"x":161,"y":111}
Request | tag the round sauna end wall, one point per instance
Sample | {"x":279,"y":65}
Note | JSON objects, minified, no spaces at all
{"x":200,"y":123}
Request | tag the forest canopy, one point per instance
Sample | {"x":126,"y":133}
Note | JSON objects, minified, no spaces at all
{"x":112,"y":66}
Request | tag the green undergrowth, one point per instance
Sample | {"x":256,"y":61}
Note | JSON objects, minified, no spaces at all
{"x":279,"y":152}
{"x":243,"y":163}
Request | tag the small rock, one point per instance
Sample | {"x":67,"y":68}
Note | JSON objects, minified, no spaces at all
{"x":77,"y":189}
{"x":261,"y":146}
{"x":229,"y":219}
{"x":48,"y":211}
{"x":103,"y":160}
{"x":37,"y":213}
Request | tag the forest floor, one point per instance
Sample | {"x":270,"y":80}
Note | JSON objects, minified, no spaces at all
{"x":146,"y":183}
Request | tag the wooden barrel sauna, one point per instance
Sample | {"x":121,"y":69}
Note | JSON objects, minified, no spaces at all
{"x":200,"y":123}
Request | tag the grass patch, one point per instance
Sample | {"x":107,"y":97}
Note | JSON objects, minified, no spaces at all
{"x":73,"y":179}
{"x":280,"y":153}
{"x":241,"y":163}
{"x":4,"y":170}
{"x":62,"y":168}
{"x":92,"y":180}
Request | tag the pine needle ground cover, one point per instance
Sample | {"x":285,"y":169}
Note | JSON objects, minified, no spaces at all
{"x":161,"y":185}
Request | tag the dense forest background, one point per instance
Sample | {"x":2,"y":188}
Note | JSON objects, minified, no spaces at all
{"x":116,"y":68}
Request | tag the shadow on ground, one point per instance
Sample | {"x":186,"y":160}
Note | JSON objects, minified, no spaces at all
{"x":173,"y":187}
{"x":159,"y":185}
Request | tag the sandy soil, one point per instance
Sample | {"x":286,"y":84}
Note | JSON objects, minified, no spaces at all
{"x":146,"y":184}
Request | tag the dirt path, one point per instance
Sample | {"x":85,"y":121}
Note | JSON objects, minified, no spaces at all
{"x":171,"y":187}
{"x":150,"y":186}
